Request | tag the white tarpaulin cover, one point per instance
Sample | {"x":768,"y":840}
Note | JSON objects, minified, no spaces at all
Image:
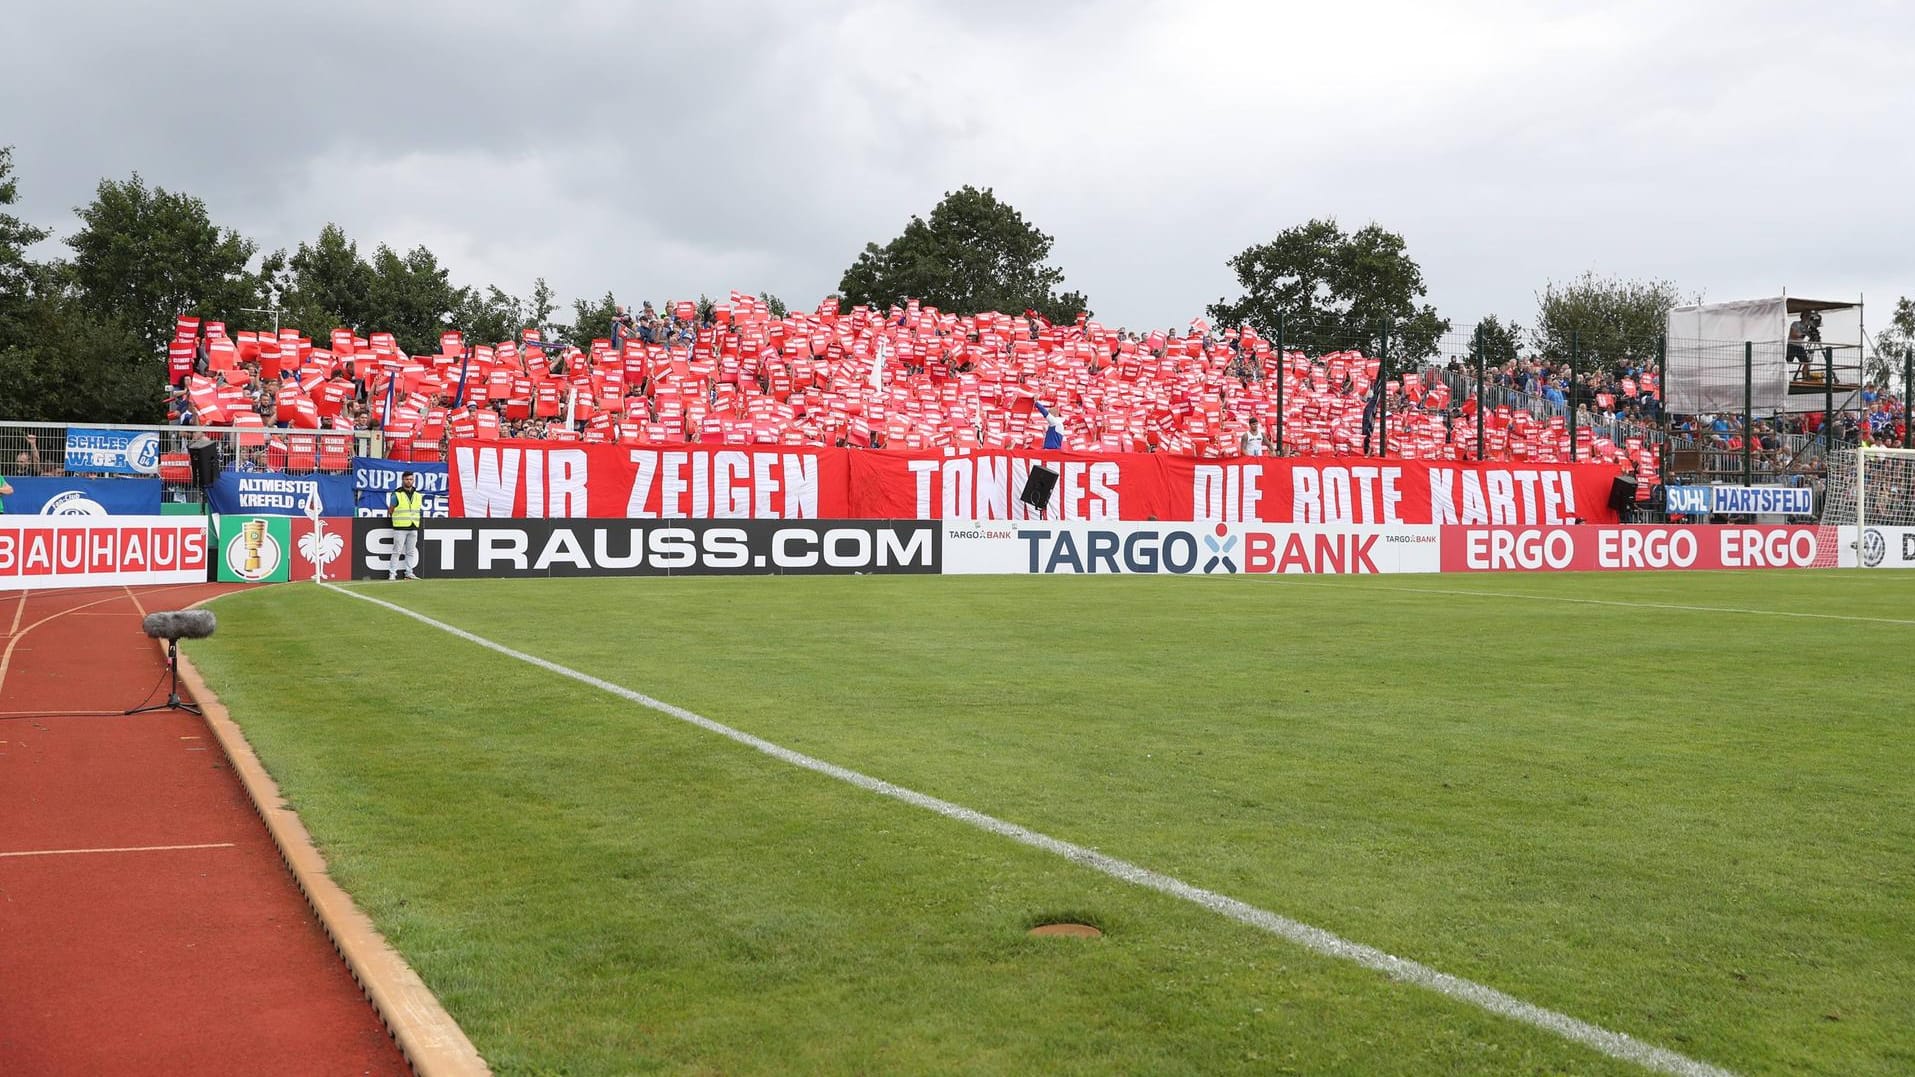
{"x":1708,"y":343}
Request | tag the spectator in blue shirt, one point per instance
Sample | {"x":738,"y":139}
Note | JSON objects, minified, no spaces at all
{"x":1053,"y":427}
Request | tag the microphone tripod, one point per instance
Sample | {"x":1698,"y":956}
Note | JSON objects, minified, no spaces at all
{"x":173,"y":700}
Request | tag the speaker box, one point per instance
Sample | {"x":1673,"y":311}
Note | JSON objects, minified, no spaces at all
{"x":205,"y":464}
{"x":1037,"y":488}
{"x":1622,"y":493}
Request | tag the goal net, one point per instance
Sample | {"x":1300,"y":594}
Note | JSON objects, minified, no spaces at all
{"x":1873,"y":491}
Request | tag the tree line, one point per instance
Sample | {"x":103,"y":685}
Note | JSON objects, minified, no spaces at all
{"x":82,"y":337}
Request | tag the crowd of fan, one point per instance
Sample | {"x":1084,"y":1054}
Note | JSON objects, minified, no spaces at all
{"x":916,"y":378}
{"x":911,"y":377}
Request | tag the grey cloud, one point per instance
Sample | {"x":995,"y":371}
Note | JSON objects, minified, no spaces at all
{"x":671,"y":149}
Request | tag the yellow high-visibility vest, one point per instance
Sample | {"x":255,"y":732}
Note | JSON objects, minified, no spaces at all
{"x":407,"y":508}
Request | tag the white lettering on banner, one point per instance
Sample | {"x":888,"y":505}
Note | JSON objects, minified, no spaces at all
{"x":729,"y":484}
{"x":1345,"y":495}
{"x":489,"y":479}
{"x":731,"y":495}
{"x":1523,"y":497}
{"x":562,"y":548}
{"x":503,"y":546}
{"x":1756,"y":548}
{"x":986,"y":488}
{"x":1631,"y":548}
{"x":567,"y":487}
{"x":1229,"y":492}
{"x":1507,"y":550}
{"x":1610,"y":548}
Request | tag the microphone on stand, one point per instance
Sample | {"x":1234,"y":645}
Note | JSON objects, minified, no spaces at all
{"x":173,"y":627}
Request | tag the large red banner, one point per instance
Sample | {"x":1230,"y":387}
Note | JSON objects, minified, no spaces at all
{"x":543,"y":479}
{"x":540,"y":479}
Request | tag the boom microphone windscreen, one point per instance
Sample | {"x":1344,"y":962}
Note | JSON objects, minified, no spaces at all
{"x":183,"y":624}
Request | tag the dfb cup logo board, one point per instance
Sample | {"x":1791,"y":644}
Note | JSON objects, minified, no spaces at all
{"x":253,"y":549}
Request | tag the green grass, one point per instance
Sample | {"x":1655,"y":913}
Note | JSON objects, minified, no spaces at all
{"x":1694,"y":827}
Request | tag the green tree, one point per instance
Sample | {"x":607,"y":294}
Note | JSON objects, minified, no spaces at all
{"x":1613,"y":320}
{"x":71,"y":365}
{"x":541,"y":305}
{"x":495,"y":315}
{"x":1894,"y":346}
{"x":974,"y":253}
{"x":412,"y":297}
{"x":1332,"y":289}
{"x":16,"y":272}
{"x":1501,"y":342}
{"x":146,"y":256}
{"x":323,"y":285}
{"x":590,"y":321}
{"x":773,"y":304}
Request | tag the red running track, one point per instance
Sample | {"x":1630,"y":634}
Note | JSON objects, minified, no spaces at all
{"x":198,"y":959}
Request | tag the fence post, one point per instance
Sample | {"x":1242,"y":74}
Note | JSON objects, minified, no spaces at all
{"x":1748,"y":413}
{"x":1383,"y":390}
{"x":1828,"y":409}
{"x":1575,"y":376}
{"x":1283,"y":370}
{"x":1482,"y":397}
{"x":1662,"y":403}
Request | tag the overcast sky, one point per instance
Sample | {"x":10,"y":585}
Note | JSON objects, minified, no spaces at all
{"x":661,"y":150}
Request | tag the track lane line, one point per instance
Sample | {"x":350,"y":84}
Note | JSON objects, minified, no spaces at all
{"x":1616,"y":1045}
{"x":122,"y":849}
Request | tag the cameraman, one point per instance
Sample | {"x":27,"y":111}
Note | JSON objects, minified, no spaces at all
{"x":1805,"y":330}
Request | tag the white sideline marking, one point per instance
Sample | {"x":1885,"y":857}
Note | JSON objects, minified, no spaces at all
{"x":1635,"y":605}
{"x":1614,"y":1044}
{"x":121,"y":849}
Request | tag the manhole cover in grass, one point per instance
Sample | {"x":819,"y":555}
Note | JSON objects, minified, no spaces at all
{"x":1069,"y":931}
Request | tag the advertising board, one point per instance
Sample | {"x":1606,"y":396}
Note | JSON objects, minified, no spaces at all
{"x":1127,"y":548}
{"x":85,"y":551}
{"x":1618,"y":549}
{"x":468,"y":549}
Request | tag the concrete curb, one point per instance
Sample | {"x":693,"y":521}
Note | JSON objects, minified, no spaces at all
{"x":426,"y":1034}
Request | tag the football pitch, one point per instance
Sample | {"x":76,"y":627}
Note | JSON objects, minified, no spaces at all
{"x":1675,"y":810}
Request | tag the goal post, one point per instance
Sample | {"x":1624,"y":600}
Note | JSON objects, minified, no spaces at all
{"x":1872,"y":491}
